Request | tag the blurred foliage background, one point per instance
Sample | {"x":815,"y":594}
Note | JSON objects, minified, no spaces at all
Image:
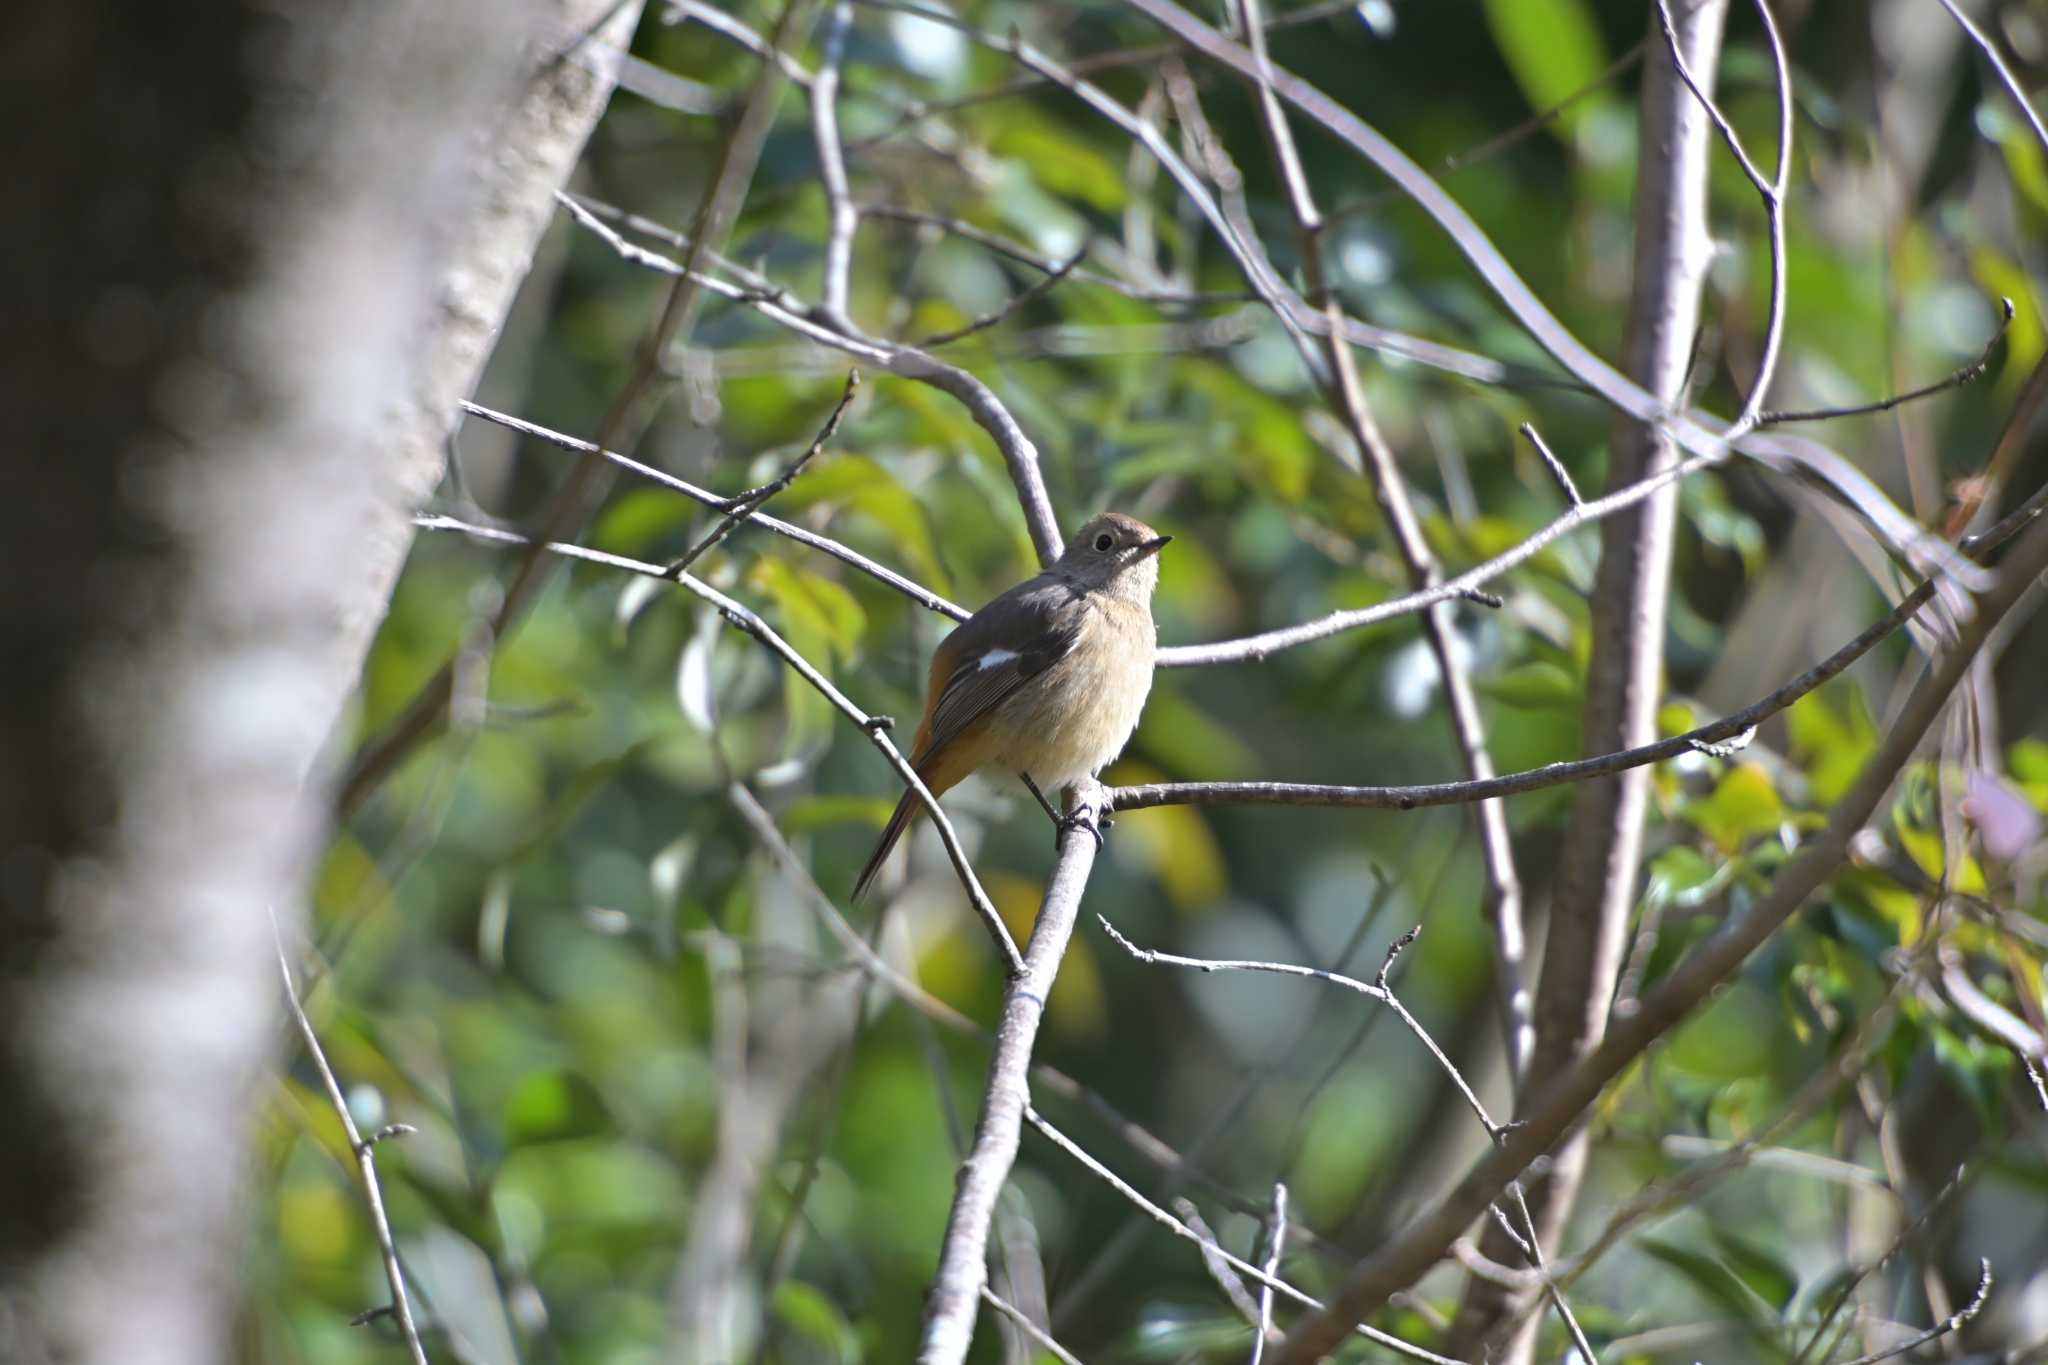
{"x":559,"y":951}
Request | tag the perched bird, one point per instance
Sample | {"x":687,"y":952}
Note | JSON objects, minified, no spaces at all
{"x":1047,"y":680}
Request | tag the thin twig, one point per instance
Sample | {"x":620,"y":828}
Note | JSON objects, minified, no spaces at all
{"x":1227,"y":1279}
{"x":910,"y":588}
{"x":1036,"y":290}
{"x":2005,"y":72}
{"x":1946,"y":1195}
{"x":1243,"y":1267}
{"x":1020,"y":456}
{"x":1555,"y":465}
{"x":1048,"y":1077}
{"x":1480,"y":369}
{"x":1276,"y":1243}
{"x":1942,"y":1328}
{"x":1097,"y":61}
{"x":743,"y":507}
{"x":631,"y":410}
{"x":1374,"y":990}
{"x":364,"y":1151}
{"x":1736,"y":727}
{"x":1030,"y":1329}
{"x":1397,"y":1262}
{"x":1534,"y":1245}
{"x":1968,"y":374}
{"x":747,"y":620}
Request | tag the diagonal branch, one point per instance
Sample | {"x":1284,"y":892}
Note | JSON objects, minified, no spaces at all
{"x":1243,"y":1267}
{"x":743,"y":617}
{"x":364,"y":1150}
{"x":963,"y":1257}
{"x":1502,"y":901}
{"x":1559,"y":1105}
{"x":632,"y":408}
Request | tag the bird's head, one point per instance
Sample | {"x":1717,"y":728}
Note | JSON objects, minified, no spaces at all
{"x":1114,"y":553}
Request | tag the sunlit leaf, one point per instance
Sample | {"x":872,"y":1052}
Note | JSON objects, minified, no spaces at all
{"x":809,"y":1315}
{"x":1743,"y":805}
{"x":1538,"y":683}
{"x":1552,"y":46}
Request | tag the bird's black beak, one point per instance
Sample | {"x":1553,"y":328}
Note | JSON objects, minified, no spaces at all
{"x":1153,"y":546}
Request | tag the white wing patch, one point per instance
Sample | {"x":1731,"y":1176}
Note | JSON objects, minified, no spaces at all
{"x":995,"y":658}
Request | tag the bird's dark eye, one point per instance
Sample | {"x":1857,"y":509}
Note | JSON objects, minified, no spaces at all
{"x":1103,"y":542}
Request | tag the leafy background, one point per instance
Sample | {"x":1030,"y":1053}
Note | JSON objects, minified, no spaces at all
{"x":531,"y":930}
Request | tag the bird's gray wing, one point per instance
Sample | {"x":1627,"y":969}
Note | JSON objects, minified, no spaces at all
{"x":1013,"y":639}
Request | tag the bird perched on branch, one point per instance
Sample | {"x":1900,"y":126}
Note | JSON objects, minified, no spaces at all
{"x":1047,"y":680}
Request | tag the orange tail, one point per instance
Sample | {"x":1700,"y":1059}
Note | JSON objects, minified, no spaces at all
{"x":941,"y":772}
{"x":907,"y":810}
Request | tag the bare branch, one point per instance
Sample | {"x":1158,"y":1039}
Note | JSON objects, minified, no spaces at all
{"x":2005,"y":73}
{"x":1968,"y":374}
{"x":1276,"y":1242}
{"x":1037,"y":290}
{"x":1049,"y":1078}
{"x":1020,"y":456}
{"x":1098,"y":61}
{"x":745,"y":619}
{"x":910,"y":588}
{"x":1243,"y":1267}
{"x":844,"y":217}
{"x":366,"y":1162}
{"x":1344,"y":392}
{"x":743,"y":507}
{"x":1532,"y":1241}
{"x":1555,"y":465}
{"x":631,"y":409}
{"x":1772,"y":192}
{"x":1219,"y":1269}
{"x":1558,"y":1106}
{"x":731,"y":29}
{"x":1719,"y":737}
{"x":1251,"y":648}
{"x":1376,"y":990}
{"x":1942,"y":1328}
{"x":963,"y":1256}
{"x":1038,"y":1334}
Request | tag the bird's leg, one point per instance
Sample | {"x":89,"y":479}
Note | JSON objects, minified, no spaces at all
{"x":1043,"y":804}
{"x":1081,"y":817}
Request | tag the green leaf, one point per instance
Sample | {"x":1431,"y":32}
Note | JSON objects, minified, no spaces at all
{"x":641,"y":517}
{"x":1711,"y":1278}
{"x":1743,"y":805}
{"x":808,"y":628}
{"x":1683,"y":876}
{"x":548,"y":1105}
{"x":1537,"y":684}
{"x":1833,"y":734}
{"x":1553,"y":48}
{"x":863,"y":486}
{"x":810,"y":1315}
{"x":821,"y":812}
{"x":1059,"y":159}
{"x":1760,"y":1268}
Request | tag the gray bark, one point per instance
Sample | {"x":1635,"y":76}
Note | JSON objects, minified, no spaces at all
{"x":1598,"y":873}
{"x":254,"y":267}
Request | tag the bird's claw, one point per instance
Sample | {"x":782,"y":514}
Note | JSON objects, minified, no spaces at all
{"x":1083,"y":820}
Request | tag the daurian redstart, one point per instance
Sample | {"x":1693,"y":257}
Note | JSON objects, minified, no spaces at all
{"x":1047,"y":680}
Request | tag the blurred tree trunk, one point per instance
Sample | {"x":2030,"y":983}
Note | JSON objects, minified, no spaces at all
{"x":257,"y":252}
{"x":1598,"y":873}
